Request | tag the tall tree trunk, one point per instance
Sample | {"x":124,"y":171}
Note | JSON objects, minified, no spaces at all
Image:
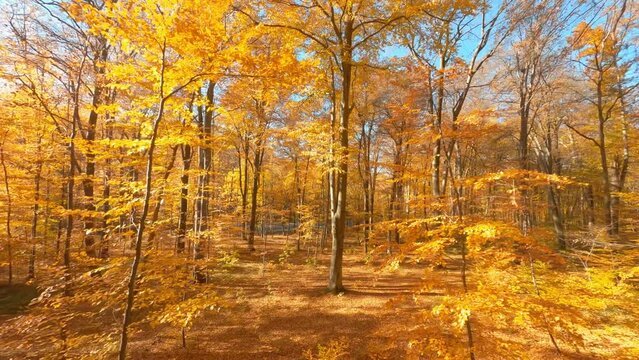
{"x":63,"y":197}
{"x":524,"y":115}
{"x":106,"y":194}
{"x":140,"y":229}
{"x":620,"y":164}
{"x":257,"y":171}
{"x":368,"y":176}
{"x":34,"y":217}
{"x":437,"y":125}
{"x":91,"y":235}
{"x":589,"y":199}
{"x":47,"y":219}
{"x":160,"y":196}
{"x":106,"y":191}
{"x":205,"y":116}
{"x":9,"y":208}
{"x":601,"y":144}
{"x":556,"y":215}
{"x":70,"y":194}
{"x":340,"y":185}
{"x":326,"y":209}
{"x":464,"y":265}
{"x":551,"y":163}
{"x":298,"y":200}
{"x":367,"y":214}
{"x":242,"y":157}
{"x":184,"y":194}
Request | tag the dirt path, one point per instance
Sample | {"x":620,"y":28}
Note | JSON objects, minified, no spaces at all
{"x":282,"y":310}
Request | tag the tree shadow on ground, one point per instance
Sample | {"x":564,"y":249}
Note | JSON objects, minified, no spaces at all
{"x":16,"y":297}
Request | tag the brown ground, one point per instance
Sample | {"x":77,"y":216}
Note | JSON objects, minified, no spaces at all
{"x":281,"y":311}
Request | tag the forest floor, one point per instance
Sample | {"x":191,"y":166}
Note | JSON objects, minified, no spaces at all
{"x":281,"y":310}
{"x":278,"y":308}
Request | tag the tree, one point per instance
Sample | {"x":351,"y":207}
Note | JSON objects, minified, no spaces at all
{"x":600,"y":53}
{"x":158,"y":35}
{"x":369,"y":111}
{"x":536,"y":60}
{"x":148,"y":148}
{"x":340,"y":33}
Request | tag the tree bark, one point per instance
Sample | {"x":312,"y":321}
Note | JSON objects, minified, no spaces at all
{"x":34,"y":217}
{"x":257,"y":171}
{"x":339,"y":188}
{"x":9,"y":209}
{"x":90,"y":233}
{"x":205,"y":116}
{"x":160,"y":197}
{"x":184,"y":194}
{"x":605,"y":174}
{"x":437,"y":124}
{"x":242,"y":158}
{"x":140,"y":232}
{"x":620,"y":163}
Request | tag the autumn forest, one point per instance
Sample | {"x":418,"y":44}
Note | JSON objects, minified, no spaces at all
{"x":319,"y":179}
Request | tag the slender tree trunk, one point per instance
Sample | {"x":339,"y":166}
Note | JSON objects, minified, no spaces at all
{"x":469,"y":329}
{"x":257,"y":171}
{"x":367,"y":215}
{"x":160,"y":200}
{"x":590,"y":205}
{"x":437,"y":124}
{"x":620,"y":166}
{"x":618,"y":184}
{"x":551,"y":164}
{"x":298,"y":201}
{"x":326,"y":209}
{"x":63,"y":197}
{"x":205,"y":116}
{"x":47,"y":218}
{"x":524,"y":114}
{"x":605,"y":174}
{"x":34,"y":217}
{"x":184,"y":194}
{"x":464,"y":265}
{"x":9,"y":208}
{"x":140,"y":231}
{"x":106,"y":191}
{"x":373,"y":189}
{"x":548,"y":327}
{"x":243,"y":179}
{"x":70,"y":196}
{"x":556,"y":215}
{"x":607,"y":202}
{"x":106,"y":194}
{"x":366,"y":174}
{"x":91,"y":235}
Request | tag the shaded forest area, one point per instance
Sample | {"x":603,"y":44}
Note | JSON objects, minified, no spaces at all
{"x":319,"y":179}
